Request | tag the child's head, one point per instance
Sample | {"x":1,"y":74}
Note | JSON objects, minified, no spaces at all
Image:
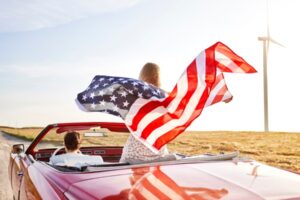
{"x":150,"y":73}
{"x":72,"y":141}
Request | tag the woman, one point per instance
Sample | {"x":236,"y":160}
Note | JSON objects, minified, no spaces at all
{"x":134,"y":151}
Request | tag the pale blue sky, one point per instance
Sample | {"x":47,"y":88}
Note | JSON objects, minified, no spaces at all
{"x":51,"y":50}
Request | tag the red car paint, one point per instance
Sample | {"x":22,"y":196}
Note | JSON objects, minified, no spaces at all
{"x":184,"y":179}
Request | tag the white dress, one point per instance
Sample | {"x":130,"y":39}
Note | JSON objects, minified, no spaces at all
{"x":136,"y":152}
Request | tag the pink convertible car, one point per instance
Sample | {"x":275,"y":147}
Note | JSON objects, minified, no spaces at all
{"x":223,"y":176}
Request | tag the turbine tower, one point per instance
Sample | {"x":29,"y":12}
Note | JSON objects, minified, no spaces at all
{"x":266,"y":41}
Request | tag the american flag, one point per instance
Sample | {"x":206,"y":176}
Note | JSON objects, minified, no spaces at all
{"x":156,"y":184}
{"x":154,"y":119}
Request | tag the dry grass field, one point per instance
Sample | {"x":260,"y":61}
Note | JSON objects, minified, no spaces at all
{"x":275,"y":148}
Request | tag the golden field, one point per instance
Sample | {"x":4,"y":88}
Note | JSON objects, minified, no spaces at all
{"x":278,"y":149}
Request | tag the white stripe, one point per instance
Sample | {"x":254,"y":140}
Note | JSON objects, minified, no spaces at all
{"x":189,"y":110}
{"x":146,"y":193}
{"x":227,"y":62}
{"x":201,"y":66}
{"x":182,"y":88}
{"x":227,"y":95}
{"x":163,"y":188}
{"x":131,"y":196}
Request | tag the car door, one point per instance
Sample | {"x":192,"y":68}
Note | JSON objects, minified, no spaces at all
{"x":16,"y":173}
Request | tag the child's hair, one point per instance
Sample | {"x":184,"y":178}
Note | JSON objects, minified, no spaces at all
{"x":150,"y":73}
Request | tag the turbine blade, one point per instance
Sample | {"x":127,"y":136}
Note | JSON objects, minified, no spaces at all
{"x":275,"y":42}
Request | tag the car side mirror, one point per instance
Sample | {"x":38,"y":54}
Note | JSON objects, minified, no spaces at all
{"x":17,"y":148}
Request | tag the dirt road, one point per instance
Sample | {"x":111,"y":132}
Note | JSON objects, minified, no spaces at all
{"x":6,"y":141}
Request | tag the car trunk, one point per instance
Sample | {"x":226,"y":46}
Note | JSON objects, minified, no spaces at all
{"x":212,"y":180}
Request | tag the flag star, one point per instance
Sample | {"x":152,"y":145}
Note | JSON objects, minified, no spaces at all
{"x":130,"y":91}
{"x":105,"y":84}
{"x":113,"y":98}
{"x":111,"y":79}
{"x":92,"y":95}
{"x":145,"y":87}
{"x":93,"y":106}
{"x":96,"y":86}
{"x":123,"y":93}
{"x":101,"y":93}
{"x":115,"y":108}
{"x":101,"y":79}
{"x":140,"y":95}
{"x":125,"y":104}
{"x":125,"y":81}
{"x":102,"y":103}
{"x":134,"y":83}
{"x":84,"y":97}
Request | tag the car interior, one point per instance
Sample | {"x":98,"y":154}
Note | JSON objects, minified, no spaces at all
{"x":97,"y":141}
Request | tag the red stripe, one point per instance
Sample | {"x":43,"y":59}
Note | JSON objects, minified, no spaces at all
{"x":222,"y":67}
{"x":210,"y":66}
{"x":151,"y":105}
{"x":192,"y":80}
{"x":219,"y":78}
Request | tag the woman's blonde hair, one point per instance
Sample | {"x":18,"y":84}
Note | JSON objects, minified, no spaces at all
{"x":150,"y":73}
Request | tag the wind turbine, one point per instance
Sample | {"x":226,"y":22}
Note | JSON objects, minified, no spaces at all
{"x":266,"y":41}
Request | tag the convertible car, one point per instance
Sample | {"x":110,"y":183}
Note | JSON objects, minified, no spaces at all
{"x":207,"y":176}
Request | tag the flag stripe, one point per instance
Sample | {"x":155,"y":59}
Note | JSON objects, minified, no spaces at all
{"x":156,"y":185}
{"x":239,"y":61}
{"x":160,"y":175}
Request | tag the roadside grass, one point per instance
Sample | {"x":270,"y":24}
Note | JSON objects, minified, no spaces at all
{"x":279,"y":149}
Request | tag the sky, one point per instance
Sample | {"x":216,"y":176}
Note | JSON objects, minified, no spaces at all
{"x":51,"y":50}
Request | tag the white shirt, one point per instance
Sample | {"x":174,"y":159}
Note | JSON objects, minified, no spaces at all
{"x":75,"y":160}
